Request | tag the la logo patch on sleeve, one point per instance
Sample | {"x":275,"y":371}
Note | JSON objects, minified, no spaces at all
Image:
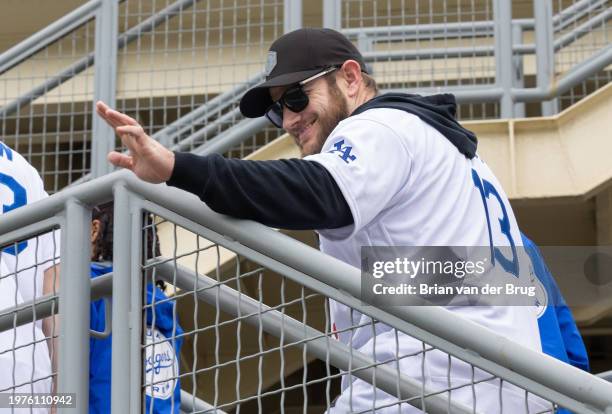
{"x":161,"y":365}
{"x":343,"y":151}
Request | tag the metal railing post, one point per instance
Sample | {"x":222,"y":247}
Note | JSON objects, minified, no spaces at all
{"x":73,"y":375}
{"x":332,"y":14}
{"x":121,"y":367}
{"x":292,"y":15}
{"x":502,"y":10}
{"x":518,"y":75}
{"x":136,"y":359}
{"x":545,"y":54}
{"x":105,"y":80}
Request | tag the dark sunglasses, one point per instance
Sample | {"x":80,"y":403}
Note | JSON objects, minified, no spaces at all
{"x":294,"y":98}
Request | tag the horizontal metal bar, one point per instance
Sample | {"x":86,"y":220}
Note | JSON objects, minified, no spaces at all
{"x":47,"y":305}
{"x":85,"y":62}
{"x":233,"y":136}
{"x":48,"y":35}
{"x":573,"y":77}
{"x":29,"y":230}
{"x":466,"y":94}
{"x":214,"y":106}
{"x":395,"y":55}
{"x":50,"y":206}
{"x":424,"y":31}
{"x":191,"y":403}
{"x":523,"y":49}
{"x":320,"y":345}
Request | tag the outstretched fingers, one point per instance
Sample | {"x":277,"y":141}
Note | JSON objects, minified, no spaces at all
{"x":133,"y":131}
{"x":112,"y":117}
{"x":103,"y":111}
{"x":133,"y":137}
{"x":120,"y":160}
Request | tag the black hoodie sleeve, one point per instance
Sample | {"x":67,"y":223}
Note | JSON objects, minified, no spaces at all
{"x":291,"y":194}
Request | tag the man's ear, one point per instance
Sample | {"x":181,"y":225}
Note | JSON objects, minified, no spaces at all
{"x":96,"y":227}
{"x":350,"y":72}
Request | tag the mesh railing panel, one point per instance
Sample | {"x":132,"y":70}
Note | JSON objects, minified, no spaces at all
{"x":254,"y":340}
{"x":426,"y":54}
{"x":580,"y":36}
{"x":54,"y":131}
{"x":190,"y":56}
{"x":28,"y":346}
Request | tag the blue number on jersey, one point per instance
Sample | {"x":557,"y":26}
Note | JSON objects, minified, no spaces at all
{"x":486,"y":189}
{"x":6,"y":150}
{"x":20,"y":198}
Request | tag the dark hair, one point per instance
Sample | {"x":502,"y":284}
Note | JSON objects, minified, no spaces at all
{"x":370,"y":82}
{"x":103,"y":244}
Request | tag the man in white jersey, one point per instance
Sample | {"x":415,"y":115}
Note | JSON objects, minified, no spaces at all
{"x":27,"y":271}
{"x":388,"y":170}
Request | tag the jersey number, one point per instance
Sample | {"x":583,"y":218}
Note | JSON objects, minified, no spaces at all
{"x":487,"y":190}
{"x":20,"y":198}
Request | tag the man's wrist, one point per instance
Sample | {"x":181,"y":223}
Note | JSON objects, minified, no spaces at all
{"x":171,"y":162}
{"x":189,"y":173}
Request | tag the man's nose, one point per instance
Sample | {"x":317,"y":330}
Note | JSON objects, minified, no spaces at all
{"x":290,"y":118}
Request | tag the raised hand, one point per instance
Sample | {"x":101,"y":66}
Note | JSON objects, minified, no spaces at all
{"x":147,"y":158}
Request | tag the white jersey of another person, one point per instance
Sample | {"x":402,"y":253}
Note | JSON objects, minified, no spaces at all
{"x":407,"y":185}
{"x":29,"y":368}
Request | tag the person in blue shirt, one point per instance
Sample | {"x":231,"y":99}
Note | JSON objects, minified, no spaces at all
{"x":558,"y":332}
{"x":161,"y":361}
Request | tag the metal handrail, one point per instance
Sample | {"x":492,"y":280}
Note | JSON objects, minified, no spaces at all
{"x":191,"y":403}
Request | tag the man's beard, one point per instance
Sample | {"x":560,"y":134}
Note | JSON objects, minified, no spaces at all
{"x":338,"y":111}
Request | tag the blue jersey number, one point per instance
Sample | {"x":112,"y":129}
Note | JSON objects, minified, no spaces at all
{"x":486,"y":190}
{"x":20,"y":198}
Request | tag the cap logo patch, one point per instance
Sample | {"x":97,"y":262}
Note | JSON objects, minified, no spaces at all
{"x":271,"y":62}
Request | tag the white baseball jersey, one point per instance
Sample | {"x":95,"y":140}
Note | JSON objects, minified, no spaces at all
{"x":407,"y":185}
{"x":23,"y":266}
{"x":27,"y":369}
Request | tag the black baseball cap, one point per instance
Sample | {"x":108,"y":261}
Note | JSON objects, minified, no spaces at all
{"x":294,"y":57}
